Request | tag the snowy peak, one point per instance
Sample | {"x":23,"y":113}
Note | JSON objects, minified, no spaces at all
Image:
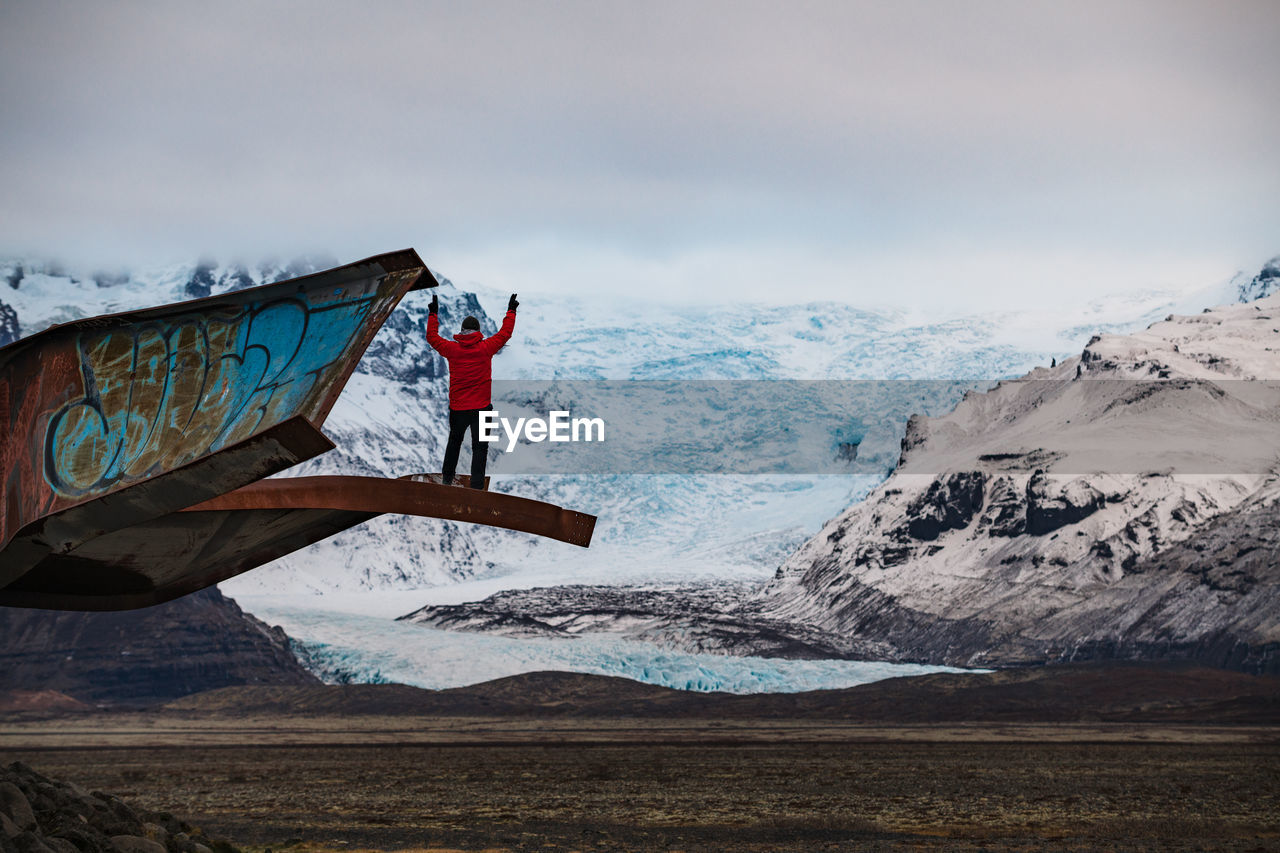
{"x":1051,"y":500}
{"x":1265,"y":283}
{"x":10,"y":331}
{"x":1185,"y":395}
{"x":45,"y":293}
{"x":1228,"y":342}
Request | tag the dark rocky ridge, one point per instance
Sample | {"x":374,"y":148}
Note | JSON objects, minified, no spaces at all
{"x":43,"y":815}
{"x":1116,"y":692}
{"x":141,"y":657}
{"x":713,"y":618}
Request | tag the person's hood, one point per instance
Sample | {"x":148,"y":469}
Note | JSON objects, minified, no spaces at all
{"x":469,"y":338}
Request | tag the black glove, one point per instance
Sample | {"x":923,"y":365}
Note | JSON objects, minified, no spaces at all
{"x":512,"y":304}
{"x":435,"y":304}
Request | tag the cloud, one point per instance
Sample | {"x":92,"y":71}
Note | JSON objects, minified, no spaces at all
{"x":598,"y":139}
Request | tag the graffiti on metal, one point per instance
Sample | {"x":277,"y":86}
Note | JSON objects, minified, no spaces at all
{"x":158,"y":396}
{"x":94,"y":406}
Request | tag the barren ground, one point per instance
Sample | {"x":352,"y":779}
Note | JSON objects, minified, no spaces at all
{"x":347,"y":783}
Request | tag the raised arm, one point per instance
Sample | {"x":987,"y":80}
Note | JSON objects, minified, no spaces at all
{"x":439,"y":344}
{"x":498,"y":341}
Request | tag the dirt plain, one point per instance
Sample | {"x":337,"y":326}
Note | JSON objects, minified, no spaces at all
{"x":396,"y":782}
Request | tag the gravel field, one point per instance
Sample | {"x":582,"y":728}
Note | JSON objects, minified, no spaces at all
{"x":698,"y":787}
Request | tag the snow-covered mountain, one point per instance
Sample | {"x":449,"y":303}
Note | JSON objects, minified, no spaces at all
{"x":666,"y":528}
{"x":1265,"y":283}
{"x":390,"y":419}
{"x":1123,"y":503}
{"x":621,"y":337}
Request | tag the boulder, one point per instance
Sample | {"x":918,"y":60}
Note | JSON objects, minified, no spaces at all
{"x":14,"y":805}
{"x":949,"y":503}
{"x":137,"y":844}
{"x":60,"y":845}
{"x":29,"y":842}
{"x":1052,"y":504}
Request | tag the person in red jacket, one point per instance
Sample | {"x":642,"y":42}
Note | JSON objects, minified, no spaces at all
{"x":470,"y":380}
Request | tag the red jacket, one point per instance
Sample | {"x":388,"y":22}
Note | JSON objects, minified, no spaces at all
{"x":469,"y":355}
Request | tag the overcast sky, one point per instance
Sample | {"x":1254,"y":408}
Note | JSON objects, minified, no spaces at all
{"x":940,"y":153}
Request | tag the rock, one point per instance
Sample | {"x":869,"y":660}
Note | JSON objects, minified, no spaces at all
{"x":8,"y":829}
{"x":75,"y":831}
{"x":948,"y":504}
{"x":16,"y":807}
{"x":137,"y":844}
{"x":170,"y":823}
{"x":61,"y":845}
{"x":9,"y":327}
{"x":1052,"y":504}
{"x":1005,"y":513}
{"x":201,"y":282}
{"x":916,"y":434}
{"x":76,"y":791}
{"x":155,"y":832}
{"x":29,"y":842}
{"x":121,"y":811}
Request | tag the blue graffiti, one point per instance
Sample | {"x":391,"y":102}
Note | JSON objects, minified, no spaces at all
{"x":160,"y":394}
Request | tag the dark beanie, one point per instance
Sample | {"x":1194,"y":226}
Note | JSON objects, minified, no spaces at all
{"x":471,"y":323}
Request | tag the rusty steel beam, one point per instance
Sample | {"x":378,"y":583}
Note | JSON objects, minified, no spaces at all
{"x":272,"y":450}
{"x":180,"y":552}
{"x":111,"y":427}
{"x":408,"y":497}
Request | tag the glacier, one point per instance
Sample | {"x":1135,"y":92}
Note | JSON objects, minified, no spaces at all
{"x":346,"y":647}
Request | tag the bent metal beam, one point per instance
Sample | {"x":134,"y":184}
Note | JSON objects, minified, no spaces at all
{"x":133,"y":444}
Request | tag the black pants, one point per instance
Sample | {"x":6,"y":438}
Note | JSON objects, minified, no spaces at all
{"x":459,"y":423}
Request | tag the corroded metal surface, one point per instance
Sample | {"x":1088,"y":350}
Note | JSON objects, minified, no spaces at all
{"x":41,"y":543}
{"x":409,"y":497}
{"x":184,"y":551}
{"x":91,"y":407}
{"x":112,"y":425}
